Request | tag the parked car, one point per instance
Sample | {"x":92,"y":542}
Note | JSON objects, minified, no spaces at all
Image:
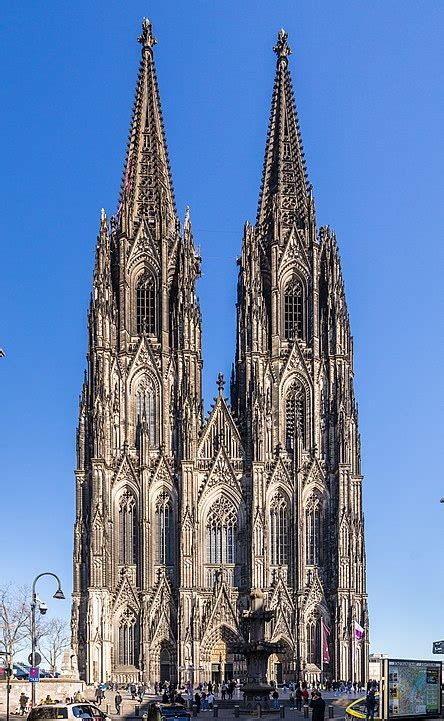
{"x":173,"y":710}
{"x":70,"y":711}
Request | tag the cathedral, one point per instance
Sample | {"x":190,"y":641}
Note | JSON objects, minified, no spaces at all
{"x":179,"y":515}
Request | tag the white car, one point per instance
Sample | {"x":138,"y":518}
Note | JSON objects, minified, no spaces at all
{"x":70,"y":711}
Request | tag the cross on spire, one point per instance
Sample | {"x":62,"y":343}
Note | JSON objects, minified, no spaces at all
{"x":282,"y":49}
{"x":146,"y":38}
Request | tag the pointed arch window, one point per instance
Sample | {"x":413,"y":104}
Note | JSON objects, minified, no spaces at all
{"x":128,"y":537}
{"x":279,"y":530}
{"x":295,"y":417}
{"x":146,"y":411}
{"x":222,"y":532}
{"x":313,"y":540}
{"x":165,"y":532}
{"x":128,"y":649}
{"x":294,"y":310}
{"x":146,"y":305}
{"x":313,"y":641}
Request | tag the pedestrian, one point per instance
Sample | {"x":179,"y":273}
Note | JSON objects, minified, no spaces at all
{"x":98,"y":695}
{"x":275,"y":697}
{"x":165,"y":697}
{"x":117,"y":702}
{"x":223,"y":690}
{"x":291,"y":700}
{"x":197,"y":701}
{"x":317,"y":705}
{"x":305,"y":694}
{"x":298,"y":698}
{"x":210,"y":699}
{"x":23,"y":701}
{"x":370,"y":705}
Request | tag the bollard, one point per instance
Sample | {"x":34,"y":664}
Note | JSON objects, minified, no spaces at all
{"x":282,"y":711}
{"x":194,"y":710}
{"x":137,"y":711}
{"x":305,"y":711}
{"x":236,"y":710}
{"x":215,"y":710}
{"x":331,"y":711}
{"x":259,"y":710}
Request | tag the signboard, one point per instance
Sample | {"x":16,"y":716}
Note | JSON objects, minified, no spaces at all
{"x":412,"y":689}
{"x":37,"y":659}
{"x":438,"y":647}
{"x":34,"y":674}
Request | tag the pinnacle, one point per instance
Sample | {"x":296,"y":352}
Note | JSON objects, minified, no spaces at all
{"x":282,"y":49}
{"x":146,"y":38}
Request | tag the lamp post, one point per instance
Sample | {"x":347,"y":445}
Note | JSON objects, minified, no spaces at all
{"x":58,"y":594}
{"x":8,"y":658}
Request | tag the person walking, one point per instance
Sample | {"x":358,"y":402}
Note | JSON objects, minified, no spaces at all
{"x":23,"y":702}
{"x":370,"y":705}
{"x":117,"y":702}
{"x":317,"y":704}
{"x":275,"y":697}
{"x":298,"y":698}
{"x":197,"y":701}
{"x":98,"y":695}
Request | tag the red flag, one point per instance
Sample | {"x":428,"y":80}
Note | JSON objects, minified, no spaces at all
{"x":325,"y":635}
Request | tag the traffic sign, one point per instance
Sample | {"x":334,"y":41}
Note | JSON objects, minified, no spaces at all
{"x":37,"y":659}
{"x":438,"y":647}
{"x":34,"y":674}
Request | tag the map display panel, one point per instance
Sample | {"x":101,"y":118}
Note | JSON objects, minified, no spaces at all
{"x":414,"y":688}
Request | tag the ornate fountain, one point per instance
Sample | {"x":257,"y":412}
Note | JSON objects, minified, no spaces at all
{"x":257,"y":651}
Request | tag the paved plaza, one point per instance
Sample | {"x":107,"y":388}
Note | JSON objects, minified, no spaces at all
{"x":132,"y":709}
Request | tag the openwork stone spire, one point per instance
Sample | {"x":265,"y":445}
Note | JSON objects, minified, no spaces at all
{"x":147,"y":188}
{"x":284,"y":179}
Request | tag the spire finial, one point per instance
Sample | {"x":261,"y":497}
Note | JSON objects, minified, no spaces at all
{"x":146,"y":38}
{"x":221,"y":383}
{"x":282,"y":49}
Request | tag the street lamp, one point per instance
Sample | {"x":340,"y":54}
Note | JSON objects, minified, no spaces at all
{"x":442,"y":500}
{"x":58,"y":594}
{"x":8,"y":657}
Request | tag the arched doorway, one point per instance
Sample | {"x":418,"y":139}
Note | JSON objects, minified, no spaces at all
{"x":281,"y":665}
{"x":221,"y":668}
{"x":165,"y":665}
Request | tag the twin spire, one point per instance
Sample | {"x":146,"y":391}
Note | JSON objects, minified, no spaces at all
{"x":147,"y":187}
{"x":284,"y":178}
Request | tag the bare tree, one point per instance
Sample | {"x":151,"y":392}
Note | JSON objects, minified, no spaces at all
{"x":15,"y":615}
{"x":55,"y":637}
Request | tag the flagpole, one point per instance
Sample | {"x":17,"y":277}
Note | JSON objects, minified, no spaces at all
{"x":322,"y":648}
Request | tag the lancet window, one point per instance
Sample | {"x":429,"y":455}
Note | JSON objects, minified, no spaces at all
{"x":313,"y":641}
{"x":146,"y":411}
{"x":128,"y":538}
{"x":221,"y":532}
{"x":295,"y":417}
{"x":279,"y":530}
{"x":294,"y":310}
{"x":165,"y":529}
{"x":128,"y":639}
{"x":146,"y":305}
{"x":313,"y":531}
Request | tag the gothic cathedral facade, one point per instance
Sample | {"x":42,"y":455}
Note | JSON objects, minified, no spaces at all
{"x":179,"y":516}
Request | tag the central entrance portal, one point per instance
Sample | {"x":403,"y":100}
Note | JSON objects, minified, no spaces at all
{"x":221,"y":663}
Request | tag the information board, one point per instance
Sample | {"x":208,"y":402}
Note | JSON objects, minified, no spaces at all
{"x":413,"y":688}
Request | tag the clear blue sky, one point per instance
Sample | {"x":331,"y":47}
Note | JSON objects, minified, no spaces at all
{"x":369,"y":90}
